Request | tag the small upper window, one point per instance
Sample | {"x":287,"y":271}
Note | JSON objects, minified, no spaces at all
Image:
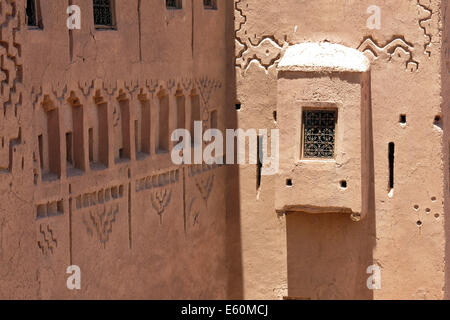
{"x":104,"y":14}
{"x":33,"y":14}
{"x":319,"y":128}
{"x":174,"y":4}
{"x":210,"y":4}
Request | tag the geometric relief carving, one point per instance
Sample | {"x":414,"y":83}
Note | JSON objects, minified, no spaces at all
{"x":196,"y":170}
{"x":425,"y":24}
{"x":265,"y":52}
{"x":207,"y":87}
{"x":205,"y":186}
{"x":8,"y":149}
{"x":157,"y":180}
{"x":100,"y":222}
{"x":193,"y":216}
{"x":161,"y":200}
{"x":50,"y":209}
{"x":11,"y":86}
{"x":47,"y":242}
{"x":100,"y":197}
{"x":396,"y":50}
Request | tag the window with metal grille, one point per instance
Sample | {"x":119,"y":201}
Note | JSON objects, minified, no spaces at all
{"x":104,"y":13}
{"x":33,"y":14}
{"x":319,"y":128}
{"x":210,"y":4}
{"x":174,"y":4}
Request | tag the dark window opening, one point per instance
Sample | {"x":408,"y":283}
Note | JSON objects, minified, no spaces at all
{"x":174,"y":4}
{"x":238,"y":106}
{"x":104,"y":14}
{"x":136,"y":136}
{"x":344,"y":184}
{"x":41,"y":151}
{"x":69,"y":148}
{"x":319,"y":128}
{"x":164,"y":118}
{"x":91,"y":145}
{"x":210,"y":4}
{"x":391,"y":165}
{"x":195,"y":114}
{"x":289,"y":183}
{"x":33,"y":12}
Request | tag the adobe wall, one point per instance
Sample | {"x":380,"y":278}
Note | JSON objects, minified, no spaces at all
{"x":85,"y":171}
{"x":326,"y":256}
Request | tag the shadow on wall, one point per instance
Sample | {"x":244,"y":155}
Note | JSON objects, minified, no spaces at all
{"x":445,"y":82}
{"x":328,"y":254}
{"x":233,"y":220}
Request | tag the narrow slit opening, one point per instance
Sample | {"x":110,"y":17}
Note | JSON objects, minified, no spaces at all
{"x":391,"y":165}
{"x":91,"y":145}
{"x":259,"y":162}
{"x":69,"y":148}
{"x":41,"y":151}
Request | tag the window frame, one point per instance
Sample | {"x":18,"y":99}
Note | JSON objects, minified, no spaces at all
{"x":320,"y":109}
{"x":178,"y":5}
{"x":212,"y":6}
{"x":113,"y":25}
{"x":299,"y":137}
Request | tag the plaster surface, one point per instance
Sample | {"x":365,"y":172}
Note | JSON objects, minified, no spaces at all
{"x":86,"y":176}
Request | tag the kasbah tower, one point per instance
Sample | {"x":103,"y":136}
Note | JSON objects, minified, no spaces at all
{"x":356,"y":88}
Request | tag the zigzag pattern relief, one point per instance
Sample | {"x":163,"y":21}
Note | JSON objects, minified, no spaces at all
{"x":48,"y":242}
{"x":266,"y":50}
{"x":11,"y":87}
{"x":424,"y":25}
{"x":396,"y":50}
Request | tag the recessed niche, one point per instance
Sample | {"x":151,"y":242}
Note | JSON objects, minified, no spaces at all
{"x":419,"y":223}
{"x":438,"y":121}
{"x":343,"y":184}
{"x":289,"y":183}
{"x":238,"y":106}
{"x":416,"y":207}
{"x":402,"y":119}
{"x":428,"y":210}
